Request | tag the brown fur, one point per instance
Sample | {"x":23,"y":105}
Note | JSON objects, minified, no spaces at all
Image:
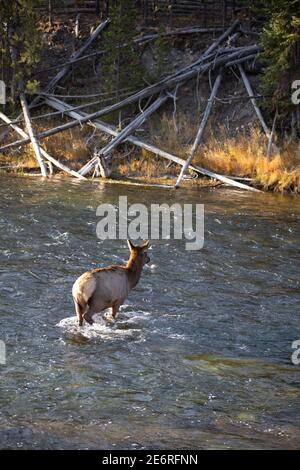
{"x":101,"y":288}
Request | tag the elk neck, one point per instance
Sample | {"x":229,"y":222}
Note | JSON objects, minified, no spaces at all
{"x":134,"y":269}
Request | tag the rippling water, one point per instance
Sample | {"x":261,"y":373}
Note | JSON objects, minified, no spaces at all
{"x":201,"y":354}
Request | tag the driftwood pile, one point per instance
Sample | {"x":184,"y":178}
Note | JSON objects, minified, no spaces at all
{"x":221,"y":54}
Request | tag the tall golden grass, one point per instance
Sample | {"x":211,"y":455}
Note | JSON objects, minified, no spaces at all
{"x":69,"y":147}
{"x":246,"y":156}
{"x":144,"y":164}
{"x":243,"y":155}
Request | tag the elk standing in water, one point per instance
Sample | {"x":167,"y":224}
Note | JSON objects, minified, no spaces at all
{"x":102,"y":288}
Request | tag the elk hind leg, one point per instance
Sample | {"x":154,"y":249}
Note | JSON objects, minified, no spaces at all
{"x":80,"y":309}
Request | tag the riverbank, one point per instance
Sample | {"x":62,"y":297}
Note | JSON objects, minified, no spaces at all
{"x":142,"y":181}
{"x":243,"y":156}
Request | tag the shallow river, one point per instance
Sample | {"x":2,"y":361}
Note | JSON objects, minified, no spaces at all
{"x":201,"y":354}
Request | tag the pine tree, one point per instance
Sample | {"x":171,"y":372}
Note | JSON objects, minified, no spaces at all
{"x":121,"y":65}
{"x":19,"y":45}
{"x":280,"y":41}
{"x":160,"y":53}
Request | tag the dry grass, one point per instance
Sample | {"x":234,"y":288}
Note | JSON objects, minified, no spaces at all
{"x":145,"y":164}
{"x":69,"y":147}
{"x":173,"y":138}
{"x":243,"y":155}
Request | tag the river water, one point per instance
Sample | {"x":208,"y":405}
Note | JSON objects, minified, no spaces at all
{"x":200,"y":357}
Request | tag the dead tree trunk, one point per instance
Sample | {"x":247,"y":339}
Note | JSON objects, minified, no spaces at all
{"x":214,"y":46}
{"x":50,"y":8}
{"x":43,"y":152}
{"x":201,"y":131}
{"x":142,"y":41}
{"x":52,"y":84}
{"x":135,"y":124}
{"x":255,"y":106}
{"x":242,"y":60}
{"x":35,"y":144}
{"x":77,"y":25}
{"x":271,"y":145}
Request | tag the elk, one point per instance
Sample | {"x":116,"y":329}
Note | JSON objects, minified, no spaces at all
{"x":101,"y":288}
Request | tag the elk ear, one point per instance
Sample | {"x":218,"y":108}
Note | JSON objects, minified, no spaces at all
{"x":146,"y":245}
{"x":130,"y":245}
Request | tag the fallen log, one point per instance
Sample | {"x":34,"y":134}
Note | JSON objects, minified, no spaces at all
{"x":203,"y":124}
{"x":89,"y":56}
{"x":51,"y":85}
{"x":241,"y":61}
{"x":46,"y":155}
{"x":250,"y":33}
{"x":201,"y":130}
{"x":108,"y":129}
{"x":256,"y":107}
{"x":177,"y":32}
{"x":135,"y":124}
{"x":213,"y":47}
{"x":223,"y":37}
{"x":145,"y":93}
{"x":139,"y":41}
{"x":35,"y":144}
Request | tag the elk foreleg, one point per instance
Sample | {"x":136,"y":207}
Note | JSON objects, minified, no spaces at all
{"x":115,"y":311}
